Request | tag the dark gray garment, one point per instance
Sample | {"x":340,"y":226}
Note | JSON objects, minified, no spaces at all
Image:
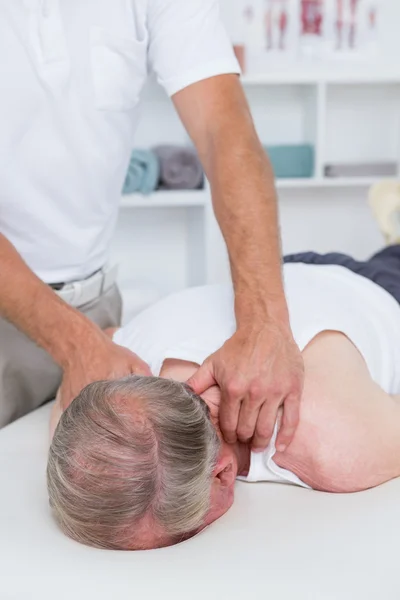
{"x":28,"y":375}
{"x":180,"y":168}
{"x":382,"y":268}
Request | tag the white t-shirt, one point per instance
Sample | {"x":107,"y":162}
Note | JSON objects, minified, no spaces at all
{"x":71,"y":74}
{"x":192,"y":324}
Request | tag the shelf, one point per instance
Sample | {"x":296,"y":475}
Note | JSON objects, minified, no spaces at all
{"x":309,"y":182}
{"x":359,"y":74}
{"x":348,"y":182}
{"x":163,"y":199}
{"x":199,"y":198}
{"x":327,"y":182}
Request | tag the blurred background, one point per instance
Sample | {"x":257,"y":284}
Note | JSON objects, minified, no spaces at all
{"x":323,"y":82}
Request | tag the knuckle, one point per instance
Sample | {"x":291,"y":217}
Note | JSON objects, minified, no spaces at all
{"x":265,"y":426}
{"x":256,"y":391}
{"x":245,"y":432}
{"x":284,"y":386}
{"x":264,"y":435}
{"x":274,"y":401}
{"x":275,"y":388}
{"x":264,"y":430}
{"x":235,"y":389}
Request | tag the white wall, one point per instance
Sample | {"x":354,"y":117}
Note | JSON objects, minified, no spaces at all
{"x":332,"y":222}
{"x":309,"y":221}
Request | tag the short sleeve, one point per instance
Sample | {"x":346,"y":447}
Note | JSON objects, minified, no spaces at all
{"x":187,"y":42}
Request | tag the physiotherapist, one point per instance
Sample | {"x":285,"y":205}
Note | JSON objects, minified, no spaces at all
{"x":70,"y":77}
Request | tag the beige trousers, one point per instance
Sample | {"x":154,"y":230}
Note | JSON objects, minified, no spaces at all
{"x":28,"y":375}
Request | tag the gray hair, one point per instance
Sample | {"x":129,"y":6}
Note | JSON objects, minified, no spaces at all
{"x":128,"y":452}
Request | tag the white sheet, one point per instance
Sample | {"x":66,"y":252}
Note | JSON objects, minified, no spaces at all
{"x":278,"y":542}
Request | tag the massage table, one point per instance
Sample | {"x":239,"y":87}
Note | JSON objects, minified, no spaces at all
{"x":277,"y":542}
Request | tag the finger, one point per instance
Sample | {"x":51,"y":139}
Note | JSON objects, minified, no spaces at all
{"x":231,"y":401}
{"x":265,"y":424}
{"x":203,"y":379}
{"x":248,"y":417}
{"x":290,"y":421}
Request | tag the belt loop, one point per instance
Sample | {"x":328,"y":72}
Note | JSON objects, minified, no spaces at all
{"x":77,"y":293}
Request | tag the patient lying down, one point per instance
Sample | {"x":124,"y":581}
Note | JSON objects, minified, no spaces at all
{"x":140,"y":463}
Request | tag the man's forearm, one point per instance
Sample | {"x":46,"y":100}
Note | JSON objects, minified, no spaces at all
{"x":217,"y":116}
{"x":244,"y":200}
{"x":36,"y":310}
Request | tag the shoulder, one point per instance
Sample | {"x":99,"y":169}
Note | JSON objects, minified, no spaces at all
{"x":325,"y":452}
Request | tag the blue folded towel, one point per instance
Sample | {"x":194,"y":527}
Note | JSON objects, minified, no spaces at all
{"x":292,"y":161}
{"x":143,"y":173}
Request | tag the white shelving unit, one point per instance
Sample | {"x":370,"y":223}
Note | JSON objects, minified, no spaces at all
{"x":175,"y":199}
{"x":349,"y":116}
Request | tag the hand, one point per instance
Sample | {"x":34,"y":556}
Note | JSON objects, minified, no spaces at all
{"x":258,"y":371}
{"x":98,"y":358}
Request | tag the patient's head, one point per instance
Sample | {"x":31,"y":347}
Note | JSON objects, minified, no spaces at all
{"x":137,"y":463}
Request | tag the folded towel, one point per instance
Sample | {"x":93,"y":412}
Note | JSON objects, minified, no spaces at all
{"x":143,"y":173}
{"x":292,"y":161}
{"x":377,"y":169}
{"x":180,"y":168}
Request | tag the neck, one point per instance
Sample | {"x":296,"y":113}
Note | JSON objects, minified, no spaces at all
{"x":243,"y":456}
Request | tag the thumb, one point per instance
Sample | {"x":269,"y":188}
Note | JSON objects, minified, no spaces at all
{"x":203,"y":379}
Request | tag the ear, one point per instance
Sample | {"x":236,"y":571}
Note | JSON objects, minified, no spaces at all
{"x":225,"y":471}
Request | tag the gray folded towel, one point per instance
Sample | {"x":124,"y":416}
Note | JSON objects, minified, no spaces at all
{"x":180,"y":168}
{"x":376,"y":169}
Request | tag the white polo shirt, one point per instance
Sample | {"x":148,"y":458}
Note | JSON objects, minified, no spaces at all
{"x":71,"y":73}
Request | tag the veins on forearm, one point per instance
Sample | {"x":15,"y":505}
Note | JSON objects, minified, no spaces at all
{"x":245,"y":205}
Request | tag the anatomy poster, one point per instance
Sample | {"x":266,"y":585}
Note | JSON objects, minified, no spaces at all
{"x":270,"y":27}
{"x":277,"y":20}
{"x":353,"y":29}
{"x":312,"y":27}
{"x":274,"y":32}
